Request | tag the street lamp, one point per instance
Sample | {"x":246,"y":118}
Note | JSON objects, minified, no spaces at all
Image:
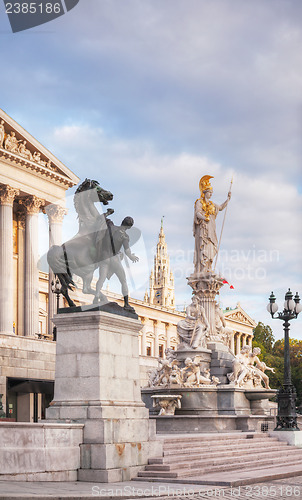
{"x":57,"y":289}
{"x":286,"y":417}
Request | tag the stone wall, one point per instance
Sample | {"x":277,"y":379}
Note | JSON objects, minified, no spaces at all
{"x":40,"y":452}
{"x":146,"y":363}
{"x":30,"y":358}
{"x":23,"y":357}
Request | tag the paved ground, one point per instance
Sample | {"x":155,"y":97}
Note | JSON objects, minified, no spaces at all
{"x":290,"y":489}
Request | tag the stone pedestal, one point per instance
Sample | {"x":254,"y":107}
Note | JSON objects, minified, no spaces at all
{"x":97,"y":383}
{"x":204,"y":401}
{"x":182,"y":354}
{"x":259,"y":400}
{"x":221,"y":361}
{"x":206,"y":286}
{"x":293,"y":438}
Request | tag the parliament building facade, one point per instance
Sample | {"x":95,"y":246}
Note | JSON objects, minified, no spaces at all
{"x":34,"y":181}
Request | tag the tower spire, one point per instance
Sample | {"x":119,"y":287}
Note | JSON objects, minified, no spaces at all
{"x":161,"y":278}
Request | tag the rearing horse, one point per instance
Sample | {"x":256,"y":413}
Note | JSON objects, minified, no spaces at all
{"x":80,"y":255}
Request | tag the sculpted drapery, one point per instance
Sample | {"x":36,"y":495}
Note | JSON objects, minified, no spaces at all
{"x":204,"y":226}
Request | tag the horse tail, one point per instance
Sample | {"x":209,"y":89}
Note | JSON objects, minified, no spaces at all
{"x":57,"y":260}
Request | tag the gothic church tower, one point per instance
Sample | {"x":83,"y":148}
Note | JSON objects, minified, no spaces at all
{"x":161,"y":291}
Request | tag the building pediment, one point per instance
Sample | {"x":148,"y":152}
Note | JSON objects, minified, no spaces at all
{"x":19,"y":148}
{"x":238,"y":315}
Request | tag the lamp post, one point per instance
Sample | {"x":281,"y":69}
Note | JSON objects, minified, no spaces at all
{"x":57,"y":289}
{"x":286,"y":417}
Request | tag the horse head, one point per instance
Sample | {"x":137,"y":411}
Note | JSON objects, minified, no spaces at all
{"x":91,"y":190}
{"x":103,"y":196}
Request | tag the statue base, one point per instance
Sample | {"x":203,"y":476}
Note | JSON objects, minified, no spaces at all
{"x":109,"y":307}
{"x":184,"y":351}
{"x":211,"y":409}
{"x":97,"y":383}
{"x":206,"y":286}
{"x":221,"y":361}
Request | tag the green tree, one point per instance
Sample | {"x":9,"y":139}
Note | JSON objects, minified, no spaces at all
{"x":272,"y":353}
{"x":295,"y":353}
{"x":263,"y":337}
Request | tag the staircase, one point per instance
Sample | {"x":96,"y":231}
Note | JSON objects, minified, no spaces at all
{"x":229,"y":459}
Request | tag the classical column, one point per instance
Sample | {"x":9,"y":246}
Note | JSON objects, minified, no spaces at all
{"x":156,"y":339}
{"x":168,"y":334}
{"x":232,"y":346}
{"x":21,"y":262}
{"x":31,"y":291}
{"x":244,"y":339}
{"x":238,"y":347}
{"x":143,"y":331}
{"x":55,"y":215}
{"x":7,"y":195}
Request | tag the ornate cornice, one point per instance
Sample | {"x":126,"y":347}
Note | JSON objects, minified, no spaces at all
{"x":39,"y":169}
{"x":7,"y":195}
{"x":32,"y":204}
{"x":55,"y":213}
{"x":18,"y":151}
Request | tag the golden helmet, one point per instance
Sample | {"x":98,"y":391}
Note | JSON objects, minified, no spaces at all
{"x":204,"y":183}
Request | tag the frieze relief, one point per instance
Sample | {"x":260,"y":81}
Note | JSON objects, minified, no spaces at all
{"x":10,"y":143}
{"x":238,"y":316}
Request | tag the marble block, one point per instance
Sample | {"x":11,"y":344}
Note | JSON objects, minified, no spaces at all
{"x":221,"y":361}
{"x":97,"y":383}
{"x":293,"y":438}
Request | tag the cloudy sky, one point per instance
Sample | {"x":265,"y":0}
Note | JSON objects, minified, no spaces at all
{"x":147,"y":96}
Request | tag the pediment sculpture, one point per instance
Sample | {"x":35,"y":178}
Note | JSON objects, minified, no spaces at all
{"x":10,"y":143}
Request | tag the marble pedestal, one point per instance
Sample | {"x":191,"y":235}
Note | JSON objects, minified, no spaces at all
{"x":221,"y":361}
{"x":97,"y":383}
{"x":182,"y":353}
{"x":206,"y":401}
{"x":293,"y":438}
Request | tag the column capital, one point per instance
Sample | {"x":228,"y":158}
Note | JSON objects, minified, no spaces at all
{"x":55,"y":213}
{"x":32,"y":204}
{"x":7,"y":195}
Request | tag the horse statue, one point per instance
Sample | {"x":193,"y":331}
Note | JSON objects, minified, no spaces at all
{"x":81,"y":254}
{"x":113,"y":240}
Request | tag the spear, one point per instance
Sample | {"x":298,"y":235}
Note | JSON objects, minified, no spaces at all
{"x":222,"y":227}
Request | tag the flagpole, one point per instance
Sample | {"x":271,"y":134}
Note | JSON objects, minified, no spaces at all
{"x":222,"y":227}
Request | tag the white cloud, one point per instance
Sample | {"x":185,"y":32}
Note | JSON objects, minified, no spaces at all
{"x":148,"y":96}
{"x":261,"y":244}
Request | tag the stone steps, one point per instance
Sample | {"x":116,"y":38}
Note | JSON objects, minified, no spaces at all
{"x":171,"y":444}
{"x":200,"y":450}
{"x":253,"y":464}
{"x":216,"y":462}
{"x":199,"y":453}
{"x":245,"y":457}
{"x":195,"y":470}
